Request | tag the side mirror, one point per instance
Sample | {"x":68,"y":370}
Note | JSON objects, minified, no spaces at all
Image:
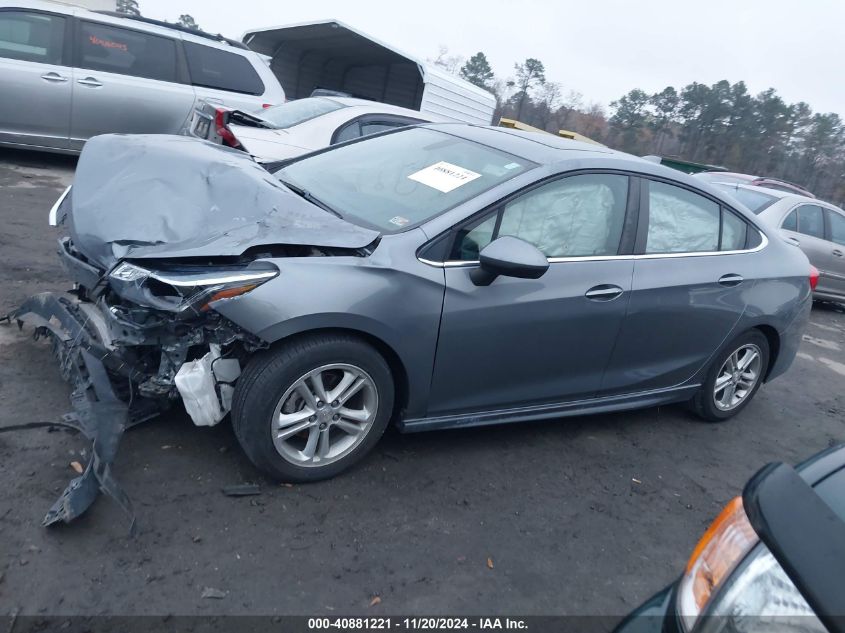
{"x":510,"y":257}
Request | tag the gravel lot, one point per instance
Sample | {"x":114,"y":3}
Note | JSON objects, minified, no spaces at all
{"x":583,"y":516}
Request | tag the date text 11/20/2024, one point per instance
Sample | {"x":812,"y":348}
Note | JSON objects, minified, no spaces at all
{"x":417,"y":624}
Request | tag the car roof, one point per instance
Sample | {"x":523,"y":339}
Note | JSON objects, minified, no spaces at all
{"x":781,"y":195}
{"x":544,"y":149}
{"x":140,"y":23}
{"x":774,"y":193}
{"x":379,"y":107}
{"x":564,"y":154}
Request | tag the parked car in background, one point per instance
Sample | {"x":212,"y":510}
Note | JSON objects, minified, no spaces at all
{"x":817,"y":227}
{"x":439,"y":276}
{"x":732,"y":178}
{"x":774,"y":559}
{"x":297,"y":127}
{"x":68,"y":74}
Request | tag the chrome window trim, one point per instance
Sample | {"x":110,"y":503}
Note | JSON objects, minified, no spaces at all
{"x":601,"y":258}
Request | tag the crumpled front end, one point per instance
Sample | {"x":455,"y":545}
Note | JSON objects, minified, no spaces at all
{"x":132,"y":342}
{"x":131,"y":348}
{"x":160,"y":230}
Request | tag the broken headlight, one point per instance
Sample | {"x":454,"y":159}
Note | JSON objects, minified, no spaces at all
{"x":187,"y":290}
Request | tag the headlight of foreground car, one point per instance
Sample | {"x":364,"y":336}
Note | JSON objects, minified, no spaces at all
{"x":189,"y":289}
{"x":741,"y":594}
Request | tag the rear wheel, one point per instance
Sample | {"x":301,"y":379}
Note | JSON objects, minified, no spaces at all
{"x":734,"y":378}
{"x":311,"y":408}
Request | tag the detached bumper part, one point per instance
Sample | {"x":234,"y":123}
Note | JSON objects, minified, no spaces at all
{"x":97,"y":411}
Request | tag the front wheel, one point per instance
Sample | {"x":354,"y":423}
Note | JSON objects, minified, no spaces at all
{"x":311,"y":408}
{"x":733,"y":378}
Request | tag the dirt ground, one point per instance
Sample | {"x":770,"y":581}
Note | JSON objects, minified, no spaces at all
{"x":582,"y":516}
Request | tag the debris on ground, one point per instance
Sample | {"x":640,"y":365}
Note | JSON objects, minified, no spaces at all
{"x":376,"y":600}
{"x":489,"y":563}
{"x":242,"y":490}
{"x":77,"y":467}
{"x":213,"y":594}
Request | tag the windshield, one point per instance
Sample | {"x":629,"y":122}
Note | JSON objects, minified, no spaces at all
{"x":400,"y":179}
{"x":296,"y":112}
{"x":754,"y":200}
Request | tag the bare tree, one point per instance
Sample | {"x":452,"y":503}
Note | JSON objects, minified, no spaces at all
{"x":188,"y":22}
{"x":450,"y":63}
{"x":130,"y":7}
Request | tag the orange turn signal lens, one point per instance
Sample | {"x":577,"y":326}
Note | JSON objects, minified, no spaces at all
{"x":228,"y":293}
{"x":725,"y":543}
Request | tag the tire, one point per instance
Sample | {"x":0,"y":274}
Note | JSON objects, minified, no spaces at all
{"x":277,"y":387}
{"x":705,"y":404}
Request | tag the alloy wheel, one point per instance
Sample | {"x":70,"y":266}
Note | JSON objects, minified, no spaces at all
{"x":324,"y":415}
{"x":738,"y":377}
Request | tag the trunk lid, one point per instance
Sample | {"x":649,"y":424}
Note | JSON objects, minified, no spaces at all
{"x":265,"y":144}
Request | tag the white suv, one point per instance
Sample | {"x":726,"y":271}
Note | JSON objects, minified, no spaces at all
{"x":69,"y":74}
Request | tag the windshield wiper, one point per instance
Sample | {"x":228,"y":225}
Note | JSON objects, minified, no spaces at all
{"x":307,"y":195}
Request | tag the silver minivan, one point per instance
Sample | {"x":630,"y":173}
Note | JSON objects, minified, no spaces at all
{"x":67,"y":74}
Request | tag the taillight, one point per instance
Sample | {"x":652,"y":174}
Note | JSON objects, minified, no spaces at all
{"x":814,"y":277}
{"x":266,"y":105}
{"x":223,"y":130}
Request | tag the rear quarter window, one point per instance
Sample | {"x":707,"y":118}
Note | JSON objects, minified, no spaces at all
{"x":214,"y":68}
{"x":124,"y":51}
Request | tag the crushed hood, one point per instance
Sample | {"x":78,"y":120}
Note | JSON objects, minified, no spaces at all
{"x":158,"y":196}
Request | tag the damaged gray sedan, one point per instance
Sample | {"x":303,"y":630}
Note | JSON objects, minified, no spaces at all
{"x":437,"y":276}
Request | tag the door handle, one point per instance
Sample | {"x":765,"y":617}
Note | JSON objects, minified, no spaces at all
{"x":51,"y":76}
{"x":791,"y":240}
{"x":837,"y":253}
{"x":730,"y":280}
{"x":604,"y":292}
{"x":90,"y":81}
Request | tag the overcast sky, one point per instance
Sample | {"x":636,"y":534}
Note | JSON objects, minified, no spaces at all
{"x":600,"y":48}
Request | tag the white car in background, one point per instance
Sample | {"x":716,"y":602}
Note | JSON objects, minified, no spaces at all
{"x":298,"y":127}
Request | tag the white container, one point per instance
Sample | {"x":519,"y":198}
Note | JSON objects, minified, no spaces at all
{"x":203,"y":385}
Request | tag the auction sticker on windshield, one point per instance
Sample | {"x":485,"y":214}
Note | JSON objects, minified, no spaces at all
{"x":444,"y":176}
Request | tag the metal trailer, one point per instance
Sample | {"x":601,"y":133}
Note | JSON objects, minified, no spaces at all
{"x":331,"y":55}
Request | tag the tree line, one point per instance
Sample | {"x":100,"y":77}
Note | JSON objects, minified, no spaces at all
{"x":721,"y":124}
{"x":131,"y":7}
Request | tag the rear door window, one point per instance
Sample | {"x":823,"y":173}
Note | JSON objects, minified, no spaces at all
{"x":214,"y":68}
{"x":126,"y":52}
{"x":811,"y":220}
{"x":734,"y":232}
{"x":837,"y":227}
{"x":681,"y":221}
{"x":32,"y":37}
